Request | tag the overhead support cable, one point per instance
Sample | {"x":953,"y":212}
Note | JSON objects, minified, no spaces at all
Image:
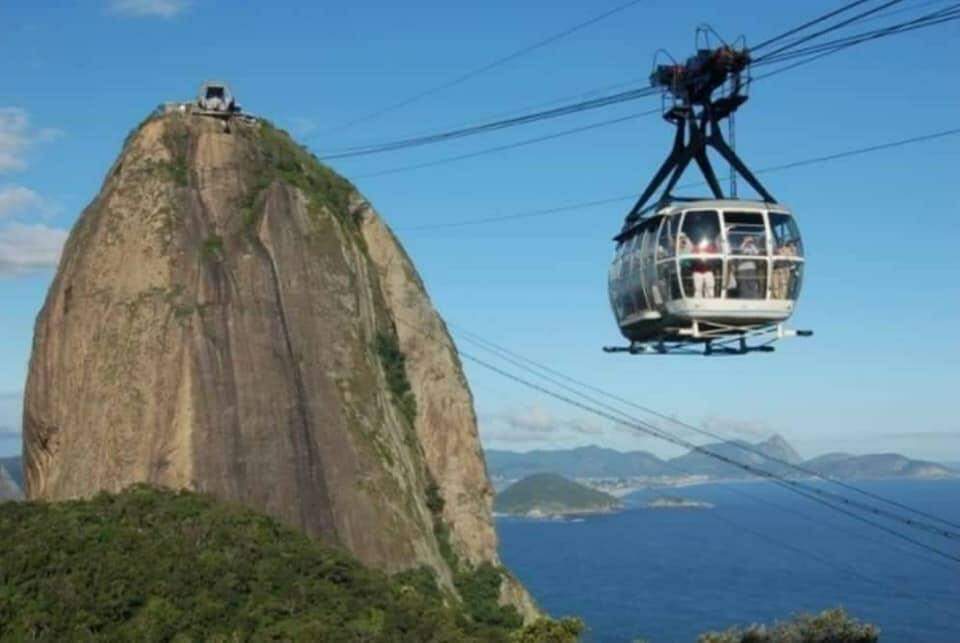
{"x":942,"y":16}
{"x":581,"y":205}
{"x":508,"y":146}
{"x":808,"y":55}
{"x":807,"y":25}
{"x":751,"y":469}
{"x":565,"y":110}
{"x":833,"y":27}
{"x":812,"y":494}
{"x":526,"y":362}
{"x":781,"y":53}
{"x":499,"y":62}
{"x":619,"y":417}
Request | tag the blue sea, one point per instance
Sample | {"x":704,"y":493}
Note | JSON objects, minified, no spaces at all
{"x":761,"y":554}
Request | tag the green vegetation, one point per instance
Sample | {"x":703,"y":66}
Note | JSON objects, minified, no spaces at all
{"x":546,"y":630}
{"x":548,"y":493}
{"x":153,"y":565}
{"x":479,"y":587}
{"x":176,"y":138}
{"x":830,"y":626}
{"x":395,"y":367}
{"x":295,"y":166}
{"x":213,"y":247}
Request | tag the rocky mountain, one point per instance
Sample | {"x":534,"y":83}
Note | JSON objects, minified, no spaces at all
{"x":599,"y":463}
{"x":548,"y":494}
{"x":232,"y":317}
{"x":702,"y":464}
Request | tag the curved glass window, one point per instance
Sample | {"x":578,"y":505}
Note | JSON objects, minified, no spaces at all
{"x":667,"y":247}
{"x":786,"y":279}
{"x":648,"y":275}
{"x":746,"y":233}
{"x":700,"y":233}
{"x":701,"y":278}
{"x":786,"y":235}
{"x":667,"y":282}
{"x":746,"y":278}
{"x":632,"y":281}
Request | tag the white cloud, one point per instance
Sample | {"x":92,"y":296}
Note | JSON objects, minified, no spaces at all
{"x":533,"y":419}
{"x":25,"y":248}
{"x":16,"y":199}
{"x":535,"y":424}
{"x":17,"y":136}
{"x":732,"y":427}
{"x":149,"y":8}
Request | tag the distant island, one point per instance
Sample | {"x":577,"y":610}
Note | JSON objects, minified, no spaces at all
{"x":546,"y":495}
{"x":674,"y":502}
{"x":620,"y":473}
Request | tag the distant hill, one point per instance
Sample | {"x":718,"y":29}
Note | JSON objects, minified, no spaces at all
{"x":879,"y":465}
{"x":594,"y":462}
{"x":703,"y":464}
{"x":582,"y":462}
{"x":550,"y":494}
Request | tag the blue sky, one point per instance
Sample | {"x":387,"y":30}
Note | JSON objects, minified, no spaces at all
{"x":882,"y":289}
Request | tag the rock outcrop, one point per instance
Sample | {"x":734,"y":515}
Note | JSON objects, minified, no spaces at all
{"x":229,"y":316}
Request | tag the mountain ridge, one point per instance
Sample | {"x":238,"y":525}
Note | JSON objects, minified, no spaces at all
{"x":605,"y":463}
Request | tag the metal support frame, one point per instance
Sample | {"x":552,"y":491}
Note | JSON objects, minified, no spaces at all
{"x":695,"y":132}
{"x":714,"y":340}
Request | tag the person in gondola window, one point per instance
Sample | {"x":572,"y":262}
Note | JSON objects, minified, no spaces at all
{"x":747,"y":270}
{"x":704,"y":281}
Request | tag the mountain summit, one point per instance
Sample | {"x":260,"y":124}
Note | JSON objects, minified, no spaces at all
{"x":232,"y":317}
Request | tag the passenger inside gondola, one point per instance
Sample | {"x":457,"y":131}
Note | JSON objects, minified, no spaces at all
{"x":786,"y":236}
{"x":700,"y":236}
{"x":748,"y":270}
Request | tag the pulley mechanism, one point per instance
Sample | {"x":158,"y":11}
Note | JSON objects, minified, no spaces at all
{"x":698,"y":95}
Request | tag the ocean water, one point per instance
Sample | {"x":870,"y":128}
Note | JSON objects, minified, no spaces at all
{"x":761,"y":554}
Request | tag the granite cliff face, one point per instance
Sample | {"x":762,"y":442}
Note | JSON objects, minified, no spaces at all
{"x":229,"y":316}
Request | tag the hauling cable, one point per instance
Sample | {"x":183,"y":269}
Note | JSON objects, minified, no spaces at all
{"x":492,"y":65}
{"x":565,"y":110}
{"x":581,"y":205}
{"x":512,"y":356}
{"x":808,"y":24}
{"x":508,"y":146}
{"x":942,"y":16}
{"x":795,"y":486}
{"x":621,"y":418}
{"x":798,"y":489}
{"x":827,"y":30}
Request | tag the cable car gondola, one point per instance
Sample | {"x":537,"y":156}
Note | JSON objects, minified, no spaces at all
{"x":713,"y":275}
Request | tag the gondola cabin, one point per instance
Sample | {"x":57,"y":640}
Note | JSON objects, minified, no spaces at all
{"x":703,"y":270}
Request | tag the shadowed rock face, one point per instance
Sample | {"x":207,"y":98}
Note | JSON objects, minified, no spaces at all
{"x":218,"y":323}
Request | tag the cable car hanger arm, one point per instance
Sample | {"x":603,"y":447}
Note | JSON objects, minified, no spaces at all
{"x":692,"y":86}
